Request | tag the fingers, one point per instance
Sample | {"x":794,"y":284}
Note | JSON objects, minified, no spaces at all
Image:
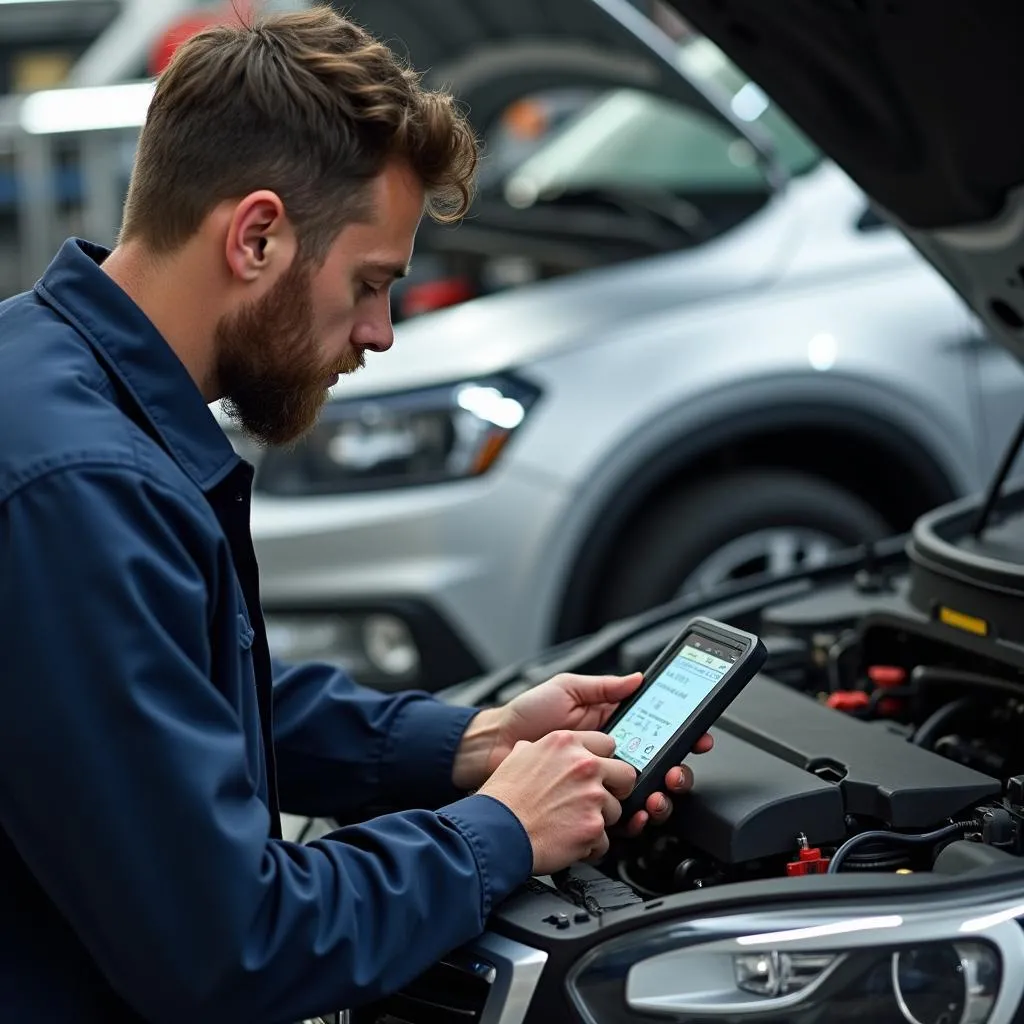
{"x":659,"y":807}
{"x":679,"y":779}
{"x":704,"y":744}
{"x":599,"y":743}
{"x":619,"y":778}
{"x":611,"y":810}
{"x":636,"y":824}
{"x":599,"y":849}
{"x":600,"y":689}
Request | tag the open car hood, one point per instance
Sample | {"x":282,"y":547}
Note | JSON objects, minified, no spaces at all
{"x":492,"y":52}
{"x":915,"y":101}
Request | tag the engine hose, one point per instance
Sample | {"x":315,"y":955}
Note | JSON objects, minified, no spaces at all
{"x":888,"y":693}
{"x":928,"y":732}
{"x":872,"y":856}
{"x":846,"y":643}
{"x":946,"y":832}
{"x":925,"y":676}
{"x":882,"y":864}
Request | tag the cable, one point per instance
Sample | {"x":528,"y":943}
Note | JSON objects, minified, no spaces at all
{"x":896,"y":837}
{"x":937,"y":720}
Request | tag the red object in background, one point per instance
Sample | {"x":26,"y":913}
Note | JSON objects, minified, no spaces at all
{"x":887,"y":675}
{"x":848,"y":700}
{"x":448,"y":291}
{"x":188,"y":25}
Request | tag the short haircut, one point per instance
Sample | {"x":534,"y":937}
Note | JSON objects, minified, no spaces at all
{"x":306,"y":104}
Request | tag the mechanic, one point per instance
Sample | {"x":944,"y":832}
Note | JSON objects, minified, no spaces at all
{"x":148,"y":739}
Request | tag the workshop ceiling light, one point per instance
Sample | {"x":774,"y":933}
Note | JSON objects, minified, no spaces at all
{"x":94,"y":108}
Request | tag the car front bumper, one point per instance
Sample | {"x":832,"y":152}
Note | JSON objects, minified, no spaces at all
{"x":411,"y":587}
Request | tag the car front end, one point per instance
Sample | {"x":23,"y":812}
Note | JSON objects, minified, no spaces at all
{"x":879,"y":720}
{"x":853,"y":845}
{"x":376,"y":530}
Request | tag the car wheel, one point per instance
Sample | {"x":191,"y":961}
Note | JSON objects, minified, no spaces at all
{"x":733,"y":527}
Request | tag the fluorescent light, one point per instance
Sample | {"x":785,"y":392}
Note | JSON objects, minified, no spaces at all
{"x":55,"y":111}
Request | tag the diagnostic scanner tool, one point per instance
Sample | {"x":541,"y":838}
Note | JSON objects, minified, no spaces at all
{"x":693,"y":680}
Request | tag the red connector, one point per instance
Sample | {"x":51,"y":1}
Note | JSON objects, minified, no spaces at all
{"x":810,"y":861}
{"x":887,"y":677}
{"x":848,"y":700}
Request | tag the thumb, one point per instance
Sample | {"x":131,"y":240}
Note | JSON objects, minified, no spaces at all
{"x":604,"y":689}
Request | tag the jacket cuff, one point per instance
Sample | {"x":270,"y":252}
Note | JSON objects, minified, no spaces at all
{"x":417,"y":767}
{"x":500,"y":845}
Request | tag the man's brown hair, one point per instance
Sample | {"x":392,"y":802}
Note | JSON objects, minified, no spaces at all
{"x":305,"y":104}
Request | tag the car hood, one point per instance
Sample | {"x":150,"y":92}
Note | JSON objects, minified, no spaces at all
{"x":492,"y":52}
{"x":912,"y":100}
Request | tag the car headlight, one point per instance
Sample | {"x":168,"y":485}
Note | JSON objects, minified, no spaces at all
{"x":426,"y":436}
{"x":798,"y":967}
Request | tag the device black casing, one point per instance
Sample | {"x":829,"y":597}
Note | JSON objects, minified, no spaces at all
{"x":752,"y":658}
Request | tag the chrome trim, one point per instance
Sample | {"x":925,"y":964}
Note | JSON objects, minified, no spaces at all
{"x":841,"y":930}
{"x":510,"y":968}
{"x":515,"y":972}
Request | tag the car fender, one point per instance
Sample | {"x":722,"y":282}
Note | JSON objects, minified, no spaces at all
{"x":673,"y":438}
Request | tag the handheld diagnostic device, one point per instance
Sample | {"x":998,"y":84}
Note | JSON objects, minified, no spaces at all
{"x":686,"y":688}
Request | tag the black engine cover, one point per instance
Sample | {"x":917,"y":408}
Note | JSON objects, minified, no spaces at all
{"x":880,"y":775}
{"x":748,"y":804}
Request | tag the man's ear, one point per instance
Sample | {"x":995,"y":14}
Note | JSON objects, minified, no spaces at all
{"x":260,"y":239}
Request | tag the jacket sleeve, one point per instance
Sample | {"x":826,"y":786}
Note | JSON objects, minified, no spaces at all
{"x":161,"y":858}
{"x":329,"y":731}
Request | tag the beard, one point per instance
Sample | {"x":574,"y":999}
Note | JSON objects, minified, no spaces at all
{"x":268,"y":366}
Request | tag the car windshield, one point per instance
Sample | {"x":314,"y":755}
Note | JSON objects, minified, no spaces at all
{"x":631,"y":139}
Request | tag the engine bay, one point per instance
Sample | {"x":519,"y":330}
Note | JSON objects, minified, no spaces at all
{"x":890,"y":709}
{"x":879,"y":740}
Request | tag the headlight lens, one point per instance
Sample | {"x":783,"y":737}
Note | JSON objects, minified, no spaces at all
{"x":428,"y":436}
{"x":919,"y":968}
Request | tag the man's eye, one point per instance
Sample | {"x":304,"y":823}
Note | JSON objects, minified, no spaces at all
{"x":367,"y":290}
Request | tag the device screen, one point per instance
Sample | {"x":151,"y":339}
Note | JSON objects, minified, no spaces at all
{"x":669,"y":700}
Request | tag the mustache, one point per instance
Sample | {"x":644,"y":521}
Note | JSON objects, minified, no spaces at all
{"x":349,"y":363}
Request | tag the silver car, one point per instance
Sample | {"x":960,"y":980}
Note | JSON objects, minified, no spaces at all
{"x":524,"y":467}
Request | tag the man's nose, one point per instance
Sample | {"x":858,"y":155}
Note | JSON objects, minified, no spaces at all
{"x":376,"y":334}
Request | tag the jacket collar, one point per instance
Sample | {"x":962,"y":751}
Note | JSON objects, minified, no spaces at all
{"x":135,"y":351}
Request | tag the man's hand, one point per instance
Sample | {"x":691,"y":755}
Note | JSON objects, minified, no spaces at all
{"x":574,"y":702}
{"x":566,"y":790}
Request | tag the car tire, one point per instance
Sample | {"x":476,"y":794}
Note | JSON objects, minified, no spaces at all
{"x":667,"y":546}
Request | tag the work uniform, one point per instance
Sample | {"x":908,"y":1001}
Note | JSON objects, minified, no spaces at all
{"x":147,"y":739}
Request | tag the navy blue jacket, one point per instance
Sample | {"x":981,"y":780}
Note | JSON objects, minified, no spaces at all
{"x":142,"y":873}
